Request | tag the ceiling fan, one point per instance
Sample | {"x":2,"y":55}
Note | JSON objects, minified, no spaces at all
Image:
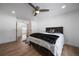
{"x":37,"y":9}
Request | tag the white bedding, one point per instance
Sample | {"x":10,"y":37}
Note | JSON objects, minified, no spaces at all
{"x":56,"y":48}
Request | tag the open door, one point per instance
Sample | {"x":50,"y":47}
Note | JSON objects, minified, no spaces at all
{"x":21,"y":31}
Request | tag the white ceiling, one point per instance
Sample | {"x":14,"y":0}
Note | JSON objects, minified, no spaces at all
{"x":55,"y":8}
{"x":22,"y":10}
{"x":25,"y":11}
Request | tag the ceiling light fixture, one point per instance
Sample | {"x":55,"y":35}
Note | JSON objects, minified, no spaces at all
{"x":37,"y":11}
{"x":64,"y":6}
{"x":13,"y":12}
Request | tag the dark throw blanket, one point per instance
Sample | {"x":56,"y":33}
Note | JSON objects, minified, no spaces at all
{"x":46,"y":37}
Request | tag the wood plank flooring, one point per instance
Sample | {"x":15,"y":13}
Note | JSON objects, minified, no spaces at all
{"x":70,"y":51}
{"x":22,"y":49}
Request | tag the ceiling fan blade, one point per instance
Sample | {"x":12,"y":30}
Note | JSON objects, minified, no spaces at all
{"x":44,"y":10}
{"x":32,"y":5}
{"x":35,"y":14}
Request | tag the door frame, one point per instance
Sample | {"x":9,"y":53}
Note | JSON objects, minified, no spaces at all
{"x":16,"y":31}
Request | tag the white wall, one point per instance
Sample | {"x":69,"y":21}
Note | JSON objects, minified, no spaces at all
{"x":70,"y":22}
{"x":7,"y":27}
{"x":34,"y":25}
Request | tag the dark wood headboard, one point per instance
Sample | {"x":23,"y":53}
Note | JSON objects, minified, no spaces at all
{"x":54,"y":29}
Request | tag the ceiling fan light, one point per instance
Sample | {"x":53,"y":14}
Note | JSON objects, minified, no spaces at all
{"x":37,"y":11}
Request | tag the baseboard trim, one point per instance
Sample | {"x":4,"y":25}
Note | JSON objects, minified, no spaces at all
{"x":7,"y":42}
{"x":72,"y":45}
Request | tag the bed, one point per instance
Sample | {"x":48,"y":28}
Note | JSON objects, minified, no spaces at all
{"x":53,"y":46}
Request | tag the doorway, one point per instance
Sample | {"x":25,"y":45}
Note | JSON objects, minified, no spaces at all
{"x":21,"y":31}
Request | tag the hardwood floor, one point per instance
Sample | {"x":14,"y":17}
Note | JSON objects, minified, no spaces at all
{"x":22,"y":49}
{"x":70,"y":51}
